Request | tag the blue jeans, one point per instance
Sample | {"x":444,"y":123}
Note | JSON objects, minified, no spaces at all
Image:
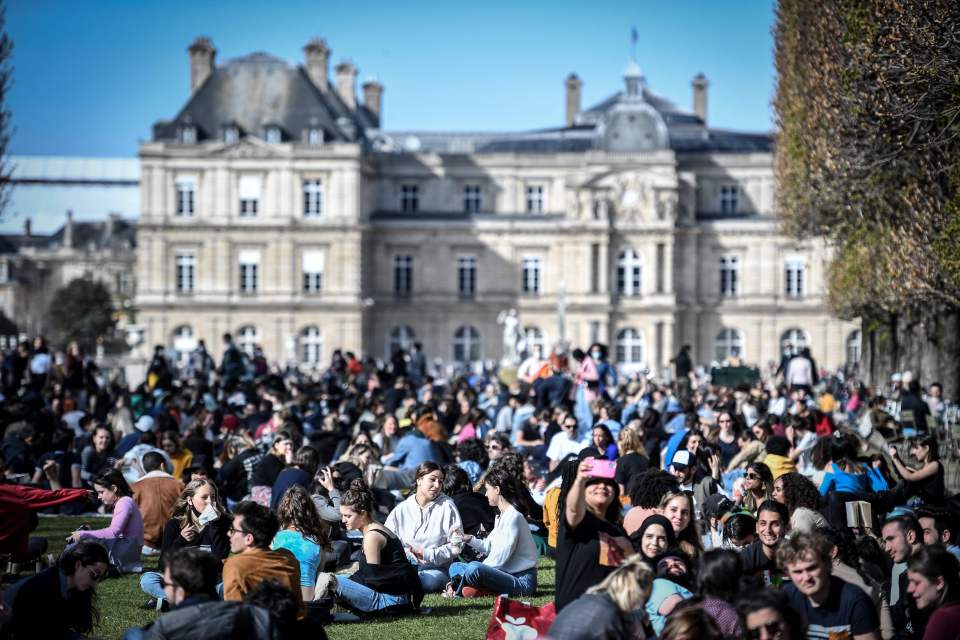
{"x":365,"y":599}
{"x":477,"y":574}
{"x":151,"y":583}
{"x":433,"y":580}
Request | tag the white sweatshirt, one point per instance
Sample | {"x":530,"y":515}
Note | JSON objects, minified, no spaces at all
{"x":510,"y":546}
{"x":428,"y":527}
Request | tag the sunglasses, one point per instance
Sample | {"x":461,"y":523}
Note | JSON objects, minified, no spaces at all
{"x":753,"y":476}
{"x":495,"y":447}
{"x":772,"y":628}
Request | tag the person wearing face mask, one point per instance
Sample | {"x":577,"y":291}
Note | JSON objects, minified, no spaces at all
{"x":424,"y":522}
{"x":760,"y":558}
{"x":933,"y":581}
{"x":590,"y":541}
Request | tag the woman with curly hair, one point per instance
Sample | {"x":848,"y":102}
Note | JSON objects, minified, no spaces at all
{"x":757,"y":486}
{"x":800,"y":496}
{"x":646,"y":490}
{"x":303,"y":533}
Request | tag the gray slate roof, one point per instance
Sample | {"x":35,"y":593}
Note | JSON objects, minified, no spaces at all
{"x":86,"y":235}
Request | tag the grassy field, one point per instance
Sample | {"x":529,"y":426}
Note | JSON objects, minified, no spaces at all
{"x":119,"y":602}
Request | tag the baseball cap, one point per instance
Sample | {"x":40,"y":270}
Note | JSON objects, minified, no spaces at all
{"x":681,"y":459}
{"x":145,"y":423}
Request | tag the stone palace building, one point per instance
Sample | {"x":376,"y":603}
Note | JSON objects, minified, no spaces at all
{"x":275,"y":207}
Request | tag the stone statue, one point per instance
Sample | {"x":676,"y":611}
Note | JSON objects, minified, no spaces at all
{"x":511,"y":336}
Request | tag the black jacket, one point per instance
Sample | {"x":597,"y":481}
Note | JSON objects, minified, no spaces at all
{"x":213,"y":620}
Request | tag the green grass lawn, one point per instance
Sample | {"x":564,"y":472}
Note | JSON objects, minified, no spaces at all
{"x":119,"y":602}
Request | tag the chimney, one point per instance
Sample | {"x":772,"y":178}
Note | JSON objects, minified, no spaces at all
{"x":111,"y":227}
{"x":202,"y":55}
{"x":573,"y":98}
{"x":700,"y":96}
{"x":68,"y":231}
{"x":347,"y":83}
{"x":373,"y":98}
{"x":27,"y":228}
{"x":317,"y":56}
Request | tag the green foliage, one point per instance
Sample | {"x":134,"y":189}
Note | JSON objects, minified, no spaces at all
{"x":81,"y":311}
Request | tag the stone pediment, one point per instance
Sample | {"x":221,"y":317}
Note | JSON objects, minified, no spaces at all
{"x":631,"y":197}
{"x":248,"y":148}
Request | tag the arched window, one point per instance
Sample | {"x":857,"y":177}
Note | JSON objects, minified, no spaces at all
{"x":247,"y":339}
{"x":729,"y":344}
{"x":532,"y":338}
{"x":311,"y":345}
{"x":629,"y":270}
{"x":853,"y":347}
{"x":796,"y":338}
{"x":466,"y":344}
{"x":184,"y":343}
{"x":630,"y":348}
{"x":401,"y":337}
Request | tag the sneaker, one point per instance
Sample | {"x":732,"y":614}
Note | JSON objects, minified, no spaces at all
{"x":474,"y":592}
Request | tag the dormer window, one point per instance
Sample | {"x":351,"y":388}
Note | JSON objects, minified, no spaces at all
{"x":272,"y":134}
{"x":315,"y":136}
{"x":231,"y":134}
{"x":187,"y":134}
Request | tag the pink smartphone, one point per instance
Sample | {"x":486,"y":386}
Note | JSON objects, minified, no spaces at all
{"x":603,"y":469}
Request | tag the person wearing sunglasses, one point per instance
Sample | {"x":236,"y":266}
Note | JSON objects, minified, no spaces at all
{"x":767,"y":615}
{"x":59,"y":602}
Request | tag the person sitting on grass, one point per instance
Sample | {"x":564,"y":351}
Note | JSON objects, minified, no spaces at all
{"x":124,"y":535}
{"x":510,"y":566}
{"x":188,"y":528}
{"x":58,"y":603}
{"x":385,"y":580}
{"x":190,"y":586}
{"x":156,"y":494}
{"x":303,"y":533}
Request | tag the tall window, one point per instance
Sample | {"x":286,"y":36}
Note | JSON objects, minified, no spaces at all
{"x":273,"y":135}
{"x":311,"y":346}
{"x":853,"y":347}
{"x":466,"y":276}
{"x":629,"y":347}
{"x":315,"y":136}
{"x":729,"y":198}
{"x":249,"y":270}
{"x":403,"y":275}
{"x":795,"y":271}
{"x":629,"y":267}
{"x":466,"y":344}
{"x":231,"y":134}
{"x":312,"y":264}
{"x":401,"y":338}
{"x":186,"y":192}
{"x":184,"y":343}
{"x":534,"y":339}
{"x":312,"y":198}
{"x":729,"y":276}
{"x":530,"y":275}
{"x":796,"y":338}
{"x":249,"y":189}
{"x":728,"y":344}
{"x":661,"y":266}
{"x":247,"y":339}
{"x":535,"y":198}
{"x":186,"y":267}
{"x":472,"y":200}
{"x":409,"y":197}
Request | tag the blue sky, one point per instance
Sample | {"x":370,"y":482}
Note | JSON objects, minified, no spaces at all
{"x":92,"y":77}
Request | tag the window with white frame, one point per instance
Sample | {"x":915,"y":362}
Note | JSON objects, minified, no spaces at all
{"x":729,"y":198}
{"x":535,"y":198}
{"x":231,"y":134}
{"x":400,"y":339}
{"x":854,"y":348}
{"x":184,"y":343}
{"x":186,"y":195}
{"x":796,"y":338}
{"x":311,"y":346}
{"x":472,"y":198}
{"x":312,"y":265}
{"x":534,"y":340}
{"x":728,"y":344}
{"x":729,"y":276}
{"x":249,"y":260}
{"x":312,"y":198}
{"x":247,"y":339}
{"x":466,"y":276}
{"x":273,"y":135}
{"x":630,"y":347}
{"x":629,"y":270}
{"x":530,"y":275}
{"x":409,"y":197}
{"x":185,"y":265}
{"x":188,"y":134}
{"x":315,"y":136}
{"x":249,"y":188}
{"x":403,"y":275}
{"x":466,"y":344}
{"x":795,"y":273}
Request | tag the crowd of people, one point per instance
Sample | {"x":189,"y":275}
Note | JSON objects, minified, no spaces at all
{"x":794,"y":506}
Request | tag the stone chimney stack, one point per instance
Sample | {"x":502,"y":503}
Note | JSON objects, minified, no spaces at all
{"x":28,"y":228}
{"x":347,"y":83}
{"x":700,"y":85}
{"x":373,"y":98}
{"x":573,"y":98}
{"x":202,"y":55}
{"x":68,"y":231}
{"x":111,"y":227}
{"x":317,"y":56}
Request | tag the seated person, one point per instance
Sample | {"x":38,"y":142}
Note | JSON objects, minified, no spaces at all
{"x":124,"y":536}
{"x":510,"y":565}
{"x":303,"y":534}
{"x":18,"y":517}
{"x":188,"y":527}
{"x":155,"y":493}
{"x":475,"y":511}
{"x":670,"y":588}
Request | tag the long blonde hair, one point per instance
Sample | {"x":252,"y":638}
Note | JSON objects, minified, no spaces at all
{"x":629,"y":585}
{"x":183,"y":510}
